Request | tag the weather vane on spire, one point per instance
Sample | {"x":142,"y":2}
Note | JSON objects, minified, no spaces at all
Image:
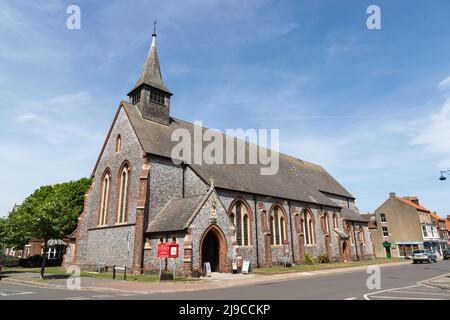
{"x":154,"y":27}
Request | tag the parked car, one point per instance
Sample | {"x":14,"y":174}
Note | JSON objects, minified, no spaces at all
{"x":424,"y":255}
{"x":446,"y":254}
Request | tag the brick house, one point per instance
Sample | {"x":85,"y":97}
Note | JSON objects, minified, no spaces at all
{"x":217,"y":213}
{"x":442,"y":230}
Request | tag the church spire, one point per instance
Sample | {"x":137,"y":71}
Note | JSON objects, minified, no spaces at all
{"x":151,"y":71}
{"x":150,"y":94}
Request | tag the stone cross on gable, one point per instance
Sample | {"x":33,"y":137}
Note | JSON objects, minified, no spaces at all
{"x":211,"y":182}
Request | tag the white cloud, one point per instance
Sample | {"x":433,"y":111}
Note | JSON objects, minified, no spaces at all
{"x":25,"y":117}
{"x":59,"y":119}
{"x":434,"y":133}
{"x":444,"y":83}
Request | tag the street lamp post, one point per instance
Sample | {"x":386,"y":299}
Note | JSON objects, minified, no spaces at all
{"x":442,"y":177}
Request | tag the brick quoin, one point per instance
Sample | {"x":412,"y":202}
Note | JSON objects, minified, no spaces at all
{"x":138,"y":248}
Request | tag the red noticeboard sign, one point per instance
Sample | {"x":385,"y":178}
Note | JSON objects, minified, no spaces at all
{"x":163,"y":250}
{"x":168,"y":250}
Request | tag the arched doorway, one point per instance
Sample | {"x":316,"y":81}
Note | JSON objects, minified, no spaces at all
{"x":213,"y":249}
{"x":345,"y":251}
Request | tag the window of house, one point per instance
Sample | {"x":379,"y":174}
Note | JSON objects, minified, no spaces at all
{"x":308,"y":228}
{"x":385,"y":232}
{"x":104,"y":198}
{"x":277,"y":226}
{"x":424,"y":230}
{"x":382,"y":217}
{"x":123,"y":194}
{"x":240,"y":216}
{"x":54,"y":252}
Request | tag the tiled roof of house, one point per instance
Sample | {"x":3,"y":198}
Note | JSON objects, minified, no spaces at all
{"x":436,"y":217}
{"x":412,"y":204}
{"x":296,"y":179}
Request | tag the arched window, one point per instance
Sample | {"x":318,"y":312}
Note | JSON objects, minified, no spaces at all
{"x":335,"y":220}
{"x":240,"y":216}
{"x":326,"y":223}
{"x":361,"y":235}
{"x":277,"y":226}
{"x":124,"y":179}
{"x":308,"y":228}
{"x":118,"y":143}
{"x":349,"y":232}
{"x":104,"y":198}
{"x":245,"y":227}
{"x":272,"y":235}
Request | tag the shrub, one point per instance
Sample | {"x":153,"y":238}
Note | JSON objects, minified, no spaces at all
{"x":36,"y":261}
{"x":323,"y":258}
{"x":11,"y":262}
{"x":308,"y":259}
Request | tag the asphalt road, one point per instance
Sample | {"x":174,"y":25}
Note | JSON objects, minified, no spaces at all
{"x":397,"y":282}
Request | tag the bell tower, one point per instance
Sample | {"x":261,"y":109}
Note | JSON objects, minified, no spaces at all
{"x":150,"y":94}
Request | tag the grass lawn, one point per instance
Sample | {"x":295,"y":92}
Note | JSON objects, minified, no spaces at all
{"x":321,"y":266}
{"x":103,"y":275}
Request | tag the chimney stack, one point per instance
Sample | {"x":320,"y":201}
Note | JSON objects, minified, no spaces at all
{"x":392,"y":195}
{"x":412,"y":199}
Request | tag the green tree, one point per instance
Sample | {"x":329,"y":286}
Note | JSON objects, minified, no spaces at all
{"x":51,"y":212}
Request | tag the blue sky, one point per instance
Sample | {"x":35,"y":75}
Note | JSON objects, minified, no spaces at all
{"x":371,"y":106}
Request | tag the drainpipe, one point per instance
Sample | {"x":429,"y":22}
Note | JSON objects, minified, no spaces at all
{"x":165,"y":260}
{"x":256,"y":230}
{"x":183,"y":168}
{"x":292,"y":235}
{"x":355,"y":240}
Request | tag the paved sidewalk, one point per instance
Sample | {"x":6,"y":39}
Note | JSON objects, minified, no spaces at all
{"x":442,"y":282}
{"x":216,"y":281}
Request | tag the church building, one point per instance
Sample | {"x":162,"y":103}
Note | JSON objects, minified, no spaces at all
{"x":223,"y":214}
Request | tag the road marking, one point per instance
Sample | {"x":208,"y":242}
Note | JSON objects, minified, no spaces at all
{"x":351,"y":298}
{"x":102,"y":296}
{"x":127,"y":294}
{"x":78,"y":298}
{"x":366,"y":296}
{"x":422,"y":292}
{"x":304,"y":274}
{"x":4,"y":292}
{"x":404,"y":298}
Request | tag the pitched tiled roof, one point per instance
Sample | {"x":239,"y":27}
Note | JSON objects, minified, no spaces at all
{"x":436,"y":217}
{"x":296,"y":179}
{"x":412,"y":204}
{"x":352,"y":215}
{"x":176,"y":214}
{"x":370,"y":218}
